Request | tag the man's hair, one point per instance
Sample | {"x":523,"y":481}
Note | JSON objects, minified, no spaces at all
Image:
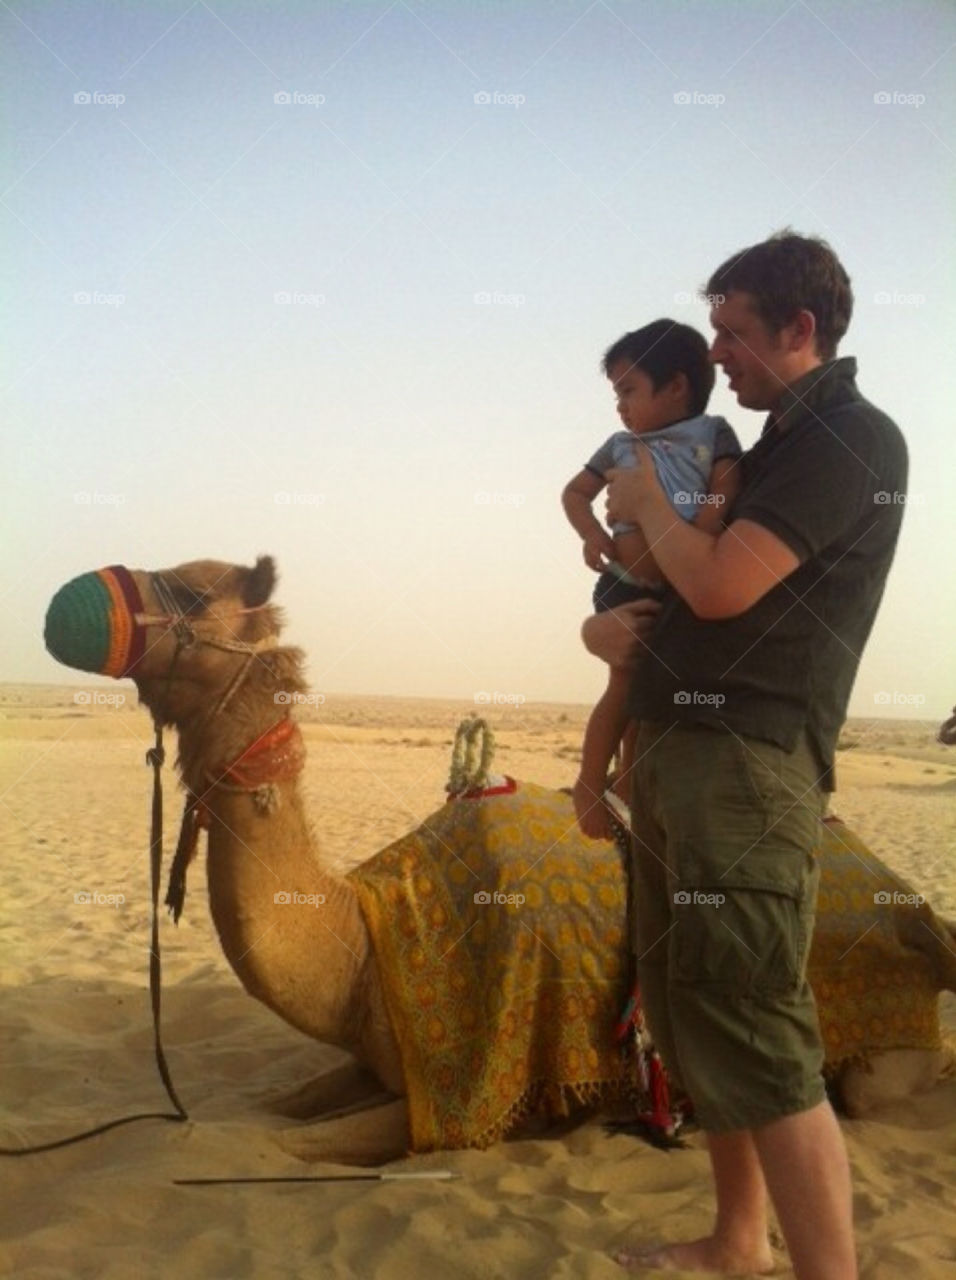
{"x":662,"y":350}
{"x":790,"y":273}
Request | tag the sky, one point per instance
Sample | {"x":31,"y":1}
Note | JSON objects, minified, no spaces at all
{"x":332,"y":282}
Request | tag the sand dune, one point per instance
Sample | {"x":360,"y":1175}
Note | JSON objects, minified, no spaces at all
{"x":78,"y":1050}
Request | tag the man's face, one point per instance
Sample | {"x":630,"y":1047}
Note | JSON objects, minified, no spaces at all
{"x":758,"y":363}
{"x":640,"y":407}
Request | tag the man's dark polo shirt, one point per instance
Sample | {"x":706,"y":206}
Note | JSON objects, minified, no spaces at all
{"x":827,"y":477}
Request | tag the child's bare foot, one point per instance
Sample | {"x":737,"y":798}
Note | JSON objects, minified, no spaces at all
{"x":707,"y":1254}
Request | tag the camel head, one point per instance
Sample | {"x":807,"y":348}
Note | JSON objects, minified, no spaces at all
{"x":180,"y":634}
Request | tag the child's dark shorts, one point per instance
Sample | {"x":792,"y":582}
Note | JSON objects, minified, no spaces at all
{"x":611,"y":590}
{"x":724,"y":883}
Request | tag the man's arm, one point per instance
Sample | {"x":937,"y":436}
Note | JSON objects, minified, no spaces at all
{"x":722,"y":488}
{"x":718,"y":576}
{"x":619,"y":636}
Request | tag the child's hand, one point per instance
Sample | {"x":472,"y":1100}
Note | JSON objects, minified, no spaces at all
{"x":590,"y":810}
{"x":598,"y":549}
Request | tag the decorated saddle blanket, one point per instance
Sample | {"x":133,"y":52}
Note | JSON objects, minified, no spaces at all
{"x":499,"y":935}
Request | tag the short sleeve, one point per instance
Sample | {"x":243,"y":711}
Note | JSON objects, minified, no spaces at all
{"x":825,"y":479}
{"x":726,"y":444}
{"x":602,"y":461}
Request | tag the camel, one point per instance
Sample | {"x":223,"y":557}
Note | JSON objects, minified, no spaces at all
{"x":201,"y":643}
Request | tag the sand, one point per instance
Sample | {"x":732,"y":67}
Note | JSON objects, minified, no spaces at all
{"x":78,"y":1049}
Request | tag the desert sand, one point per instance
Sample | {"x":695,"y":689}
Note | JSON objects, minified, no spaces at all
{"x":78,"y":1042}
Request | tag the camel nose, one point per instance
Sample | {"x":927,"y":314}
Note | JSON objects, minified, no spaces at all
{"x":91,"y":622}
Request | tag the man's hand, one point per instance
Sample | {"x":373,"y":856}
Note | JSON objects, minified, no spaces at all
{"x":630,"y":488}
{"x":591,"y":812}
{"x":598,"y":549}
{"x":619,"y":636}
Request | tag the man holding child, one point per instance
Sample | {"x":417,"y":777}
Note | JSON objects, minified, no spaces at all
{"x":740,"y":684}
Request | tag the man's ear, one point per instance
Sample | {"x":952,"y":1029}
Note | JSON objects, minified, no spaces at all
{"x":801,"y":331}
{"x":259,"y":582}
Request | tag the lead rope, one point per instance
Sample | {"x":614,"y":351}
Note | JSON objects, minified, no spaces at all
{"x":155,"y":756}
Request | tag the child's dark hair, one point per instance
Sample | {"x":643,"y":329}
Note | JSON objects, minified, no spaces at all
{"x":790,"y":273}
{"x":662,"y":350}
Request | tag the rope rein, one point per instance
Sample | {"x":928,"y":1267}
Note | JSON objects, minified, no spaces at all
{"x":186,"y":636}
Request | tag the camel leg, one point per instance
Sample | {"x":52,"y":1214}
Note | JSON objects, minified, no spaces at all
{"x":893,"y":1076}
{"x":369,"y":1137}
{"x":333,"y":1091}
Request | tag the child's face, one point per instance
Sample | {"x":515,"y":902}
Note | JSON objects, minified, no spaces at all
{"x":640,"y":407}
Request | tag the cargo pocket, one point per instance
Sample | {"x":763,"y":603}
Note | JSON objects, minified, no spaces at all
{"x":742,"y":922}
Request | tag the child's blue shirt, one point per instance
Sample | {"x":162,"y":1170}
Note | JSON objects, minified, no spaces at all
{"x":684,"y":454}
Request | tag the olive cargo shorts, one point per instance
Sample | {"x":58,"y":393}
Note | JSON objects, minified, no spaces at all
{"x":724,"y":882}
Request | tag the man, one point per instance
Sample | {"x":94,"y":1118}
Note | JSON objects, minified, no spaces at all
{"x":740,"y":700}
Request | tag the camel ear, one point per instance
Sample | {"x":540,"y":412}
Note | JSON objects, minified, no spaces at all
{"x":259,"y":582}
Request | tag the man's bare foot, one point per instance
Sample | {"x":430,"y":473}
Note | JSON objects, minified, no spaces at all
{"x":707,"y":1254}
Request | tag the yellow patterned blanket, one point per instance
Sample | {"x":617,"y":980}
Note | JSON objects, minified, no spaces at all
{"x":499,"y":935}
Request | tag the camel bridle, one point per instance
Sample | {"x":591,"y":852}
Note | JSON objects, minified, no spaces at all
{"x":187,"y":636}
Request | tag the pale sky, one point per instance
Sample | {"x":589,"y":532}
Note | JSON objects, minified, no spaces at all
{"x":359,"y":327}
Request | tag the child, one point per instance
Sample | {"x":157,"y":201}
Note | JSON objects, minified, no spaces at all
{"x":662,"y":378}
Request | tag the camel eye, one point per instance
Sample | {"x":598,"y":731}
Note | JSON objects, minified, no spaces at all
{"x":188,"y":601}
